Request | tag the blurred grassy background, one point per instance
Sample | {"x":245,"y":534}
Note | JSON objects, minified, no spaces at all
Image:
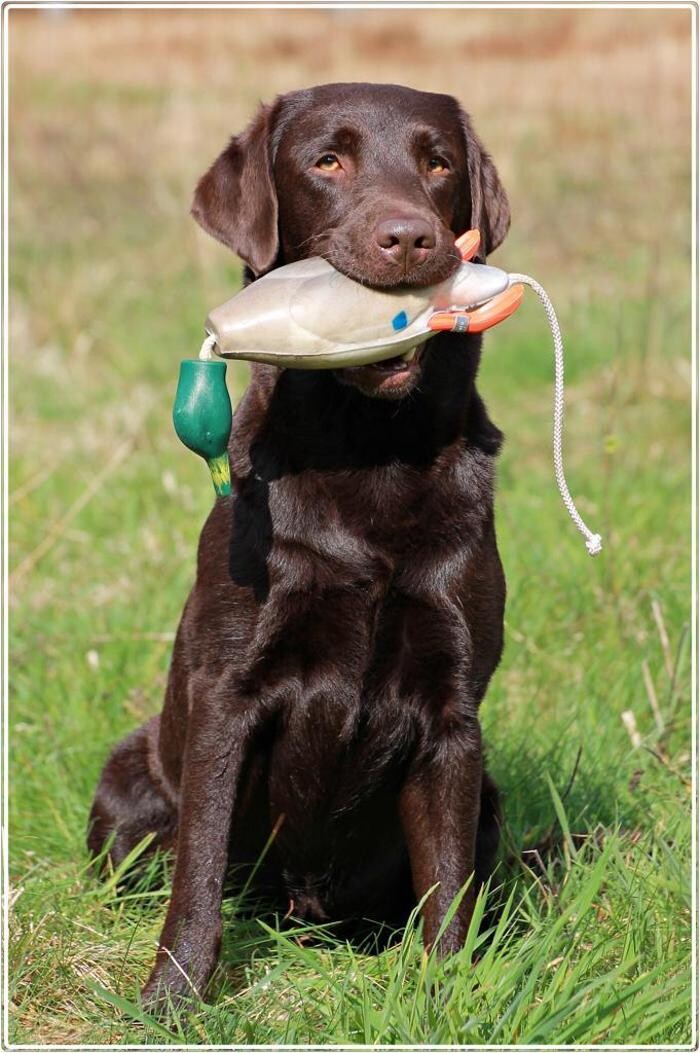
{"x":114,"y":115}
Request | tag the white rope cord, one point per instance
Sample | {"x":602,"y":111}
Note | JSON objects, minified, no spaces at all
{"x":594,"y":542}
{"x":206,"y":351}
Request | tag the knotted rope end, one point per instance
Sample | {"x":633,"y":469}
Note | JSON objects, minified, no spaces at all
{"x":594,"y":544}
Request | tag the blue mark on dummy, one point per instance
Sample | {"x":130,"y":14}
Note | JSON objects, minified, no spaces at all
{"x":399,"y":321}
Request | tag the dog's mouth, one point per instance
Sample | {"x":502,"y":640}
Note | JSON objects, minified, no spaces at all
{"x":391,"y":378}
{"x":397,"y":376}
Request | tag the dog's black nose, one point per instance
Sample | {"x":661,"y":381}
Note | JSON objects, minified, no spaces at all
{"x":406,"y":240}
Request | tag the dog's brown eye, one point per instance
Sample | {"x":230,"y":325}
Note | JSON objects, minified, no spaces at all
{"x":328,"y":163}
{"x":437,"y":165}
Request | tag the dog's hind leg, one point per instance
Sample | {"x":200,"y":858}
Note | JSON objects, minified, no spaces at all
{"x":131,"y":801}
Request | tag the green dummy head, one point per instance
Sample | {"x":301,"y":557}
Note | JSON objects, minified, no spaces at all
{"x":202,"y":416}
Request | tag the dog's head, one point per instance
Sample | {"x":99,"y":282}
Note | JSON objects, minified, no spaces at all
{"x":376,"y":178}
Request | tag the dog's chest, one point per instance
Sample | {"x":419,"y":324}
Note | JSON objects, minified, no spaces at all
{"x":366,"y":576}
{"x":395,"y":515}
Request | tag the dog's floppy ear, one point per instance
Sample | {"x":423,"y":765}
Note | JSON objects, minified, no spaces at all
{"x":490,"y":211}
{"x":236,"y":200}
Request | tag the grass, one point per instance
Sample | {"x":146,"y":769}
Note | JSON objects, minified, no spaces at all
{"x":588,"y":718}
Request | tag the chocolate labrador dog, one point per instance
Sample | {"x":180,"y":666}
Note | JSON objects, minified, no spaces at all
{"x":348,"y":608}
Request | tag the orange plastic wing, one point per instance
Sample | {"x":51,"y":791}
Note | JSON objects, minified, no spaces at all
{"x":491,"y":313}
{"x":468,"y":244}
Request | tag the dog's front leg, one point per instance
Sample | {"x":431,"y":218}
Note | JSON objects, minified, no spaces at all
{"x":217,"y":736}
{"x":439,"y":811}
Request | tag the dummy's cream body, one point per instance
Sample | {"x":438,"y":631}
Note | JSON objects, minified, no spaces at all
{"x":307,"y":315}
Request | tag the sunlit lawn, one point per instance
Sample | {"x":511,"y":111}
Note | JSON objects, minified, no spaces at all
{"x":588,"y":718}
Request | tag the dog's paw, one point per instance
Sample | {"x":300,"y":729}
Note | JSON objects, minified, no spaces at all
{"x":172,"y":988}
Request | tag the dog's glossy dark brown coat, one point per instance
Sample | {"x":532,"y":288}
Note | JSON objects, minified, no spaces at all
{"x":347,"y":612}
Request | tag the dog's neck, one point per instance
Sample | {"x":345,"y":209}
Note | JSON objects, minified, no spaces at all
{"x":316,"y":421}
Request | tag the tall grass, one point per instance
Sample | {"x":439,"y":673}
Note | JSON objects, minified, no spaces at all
{"x":114,"y":114}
